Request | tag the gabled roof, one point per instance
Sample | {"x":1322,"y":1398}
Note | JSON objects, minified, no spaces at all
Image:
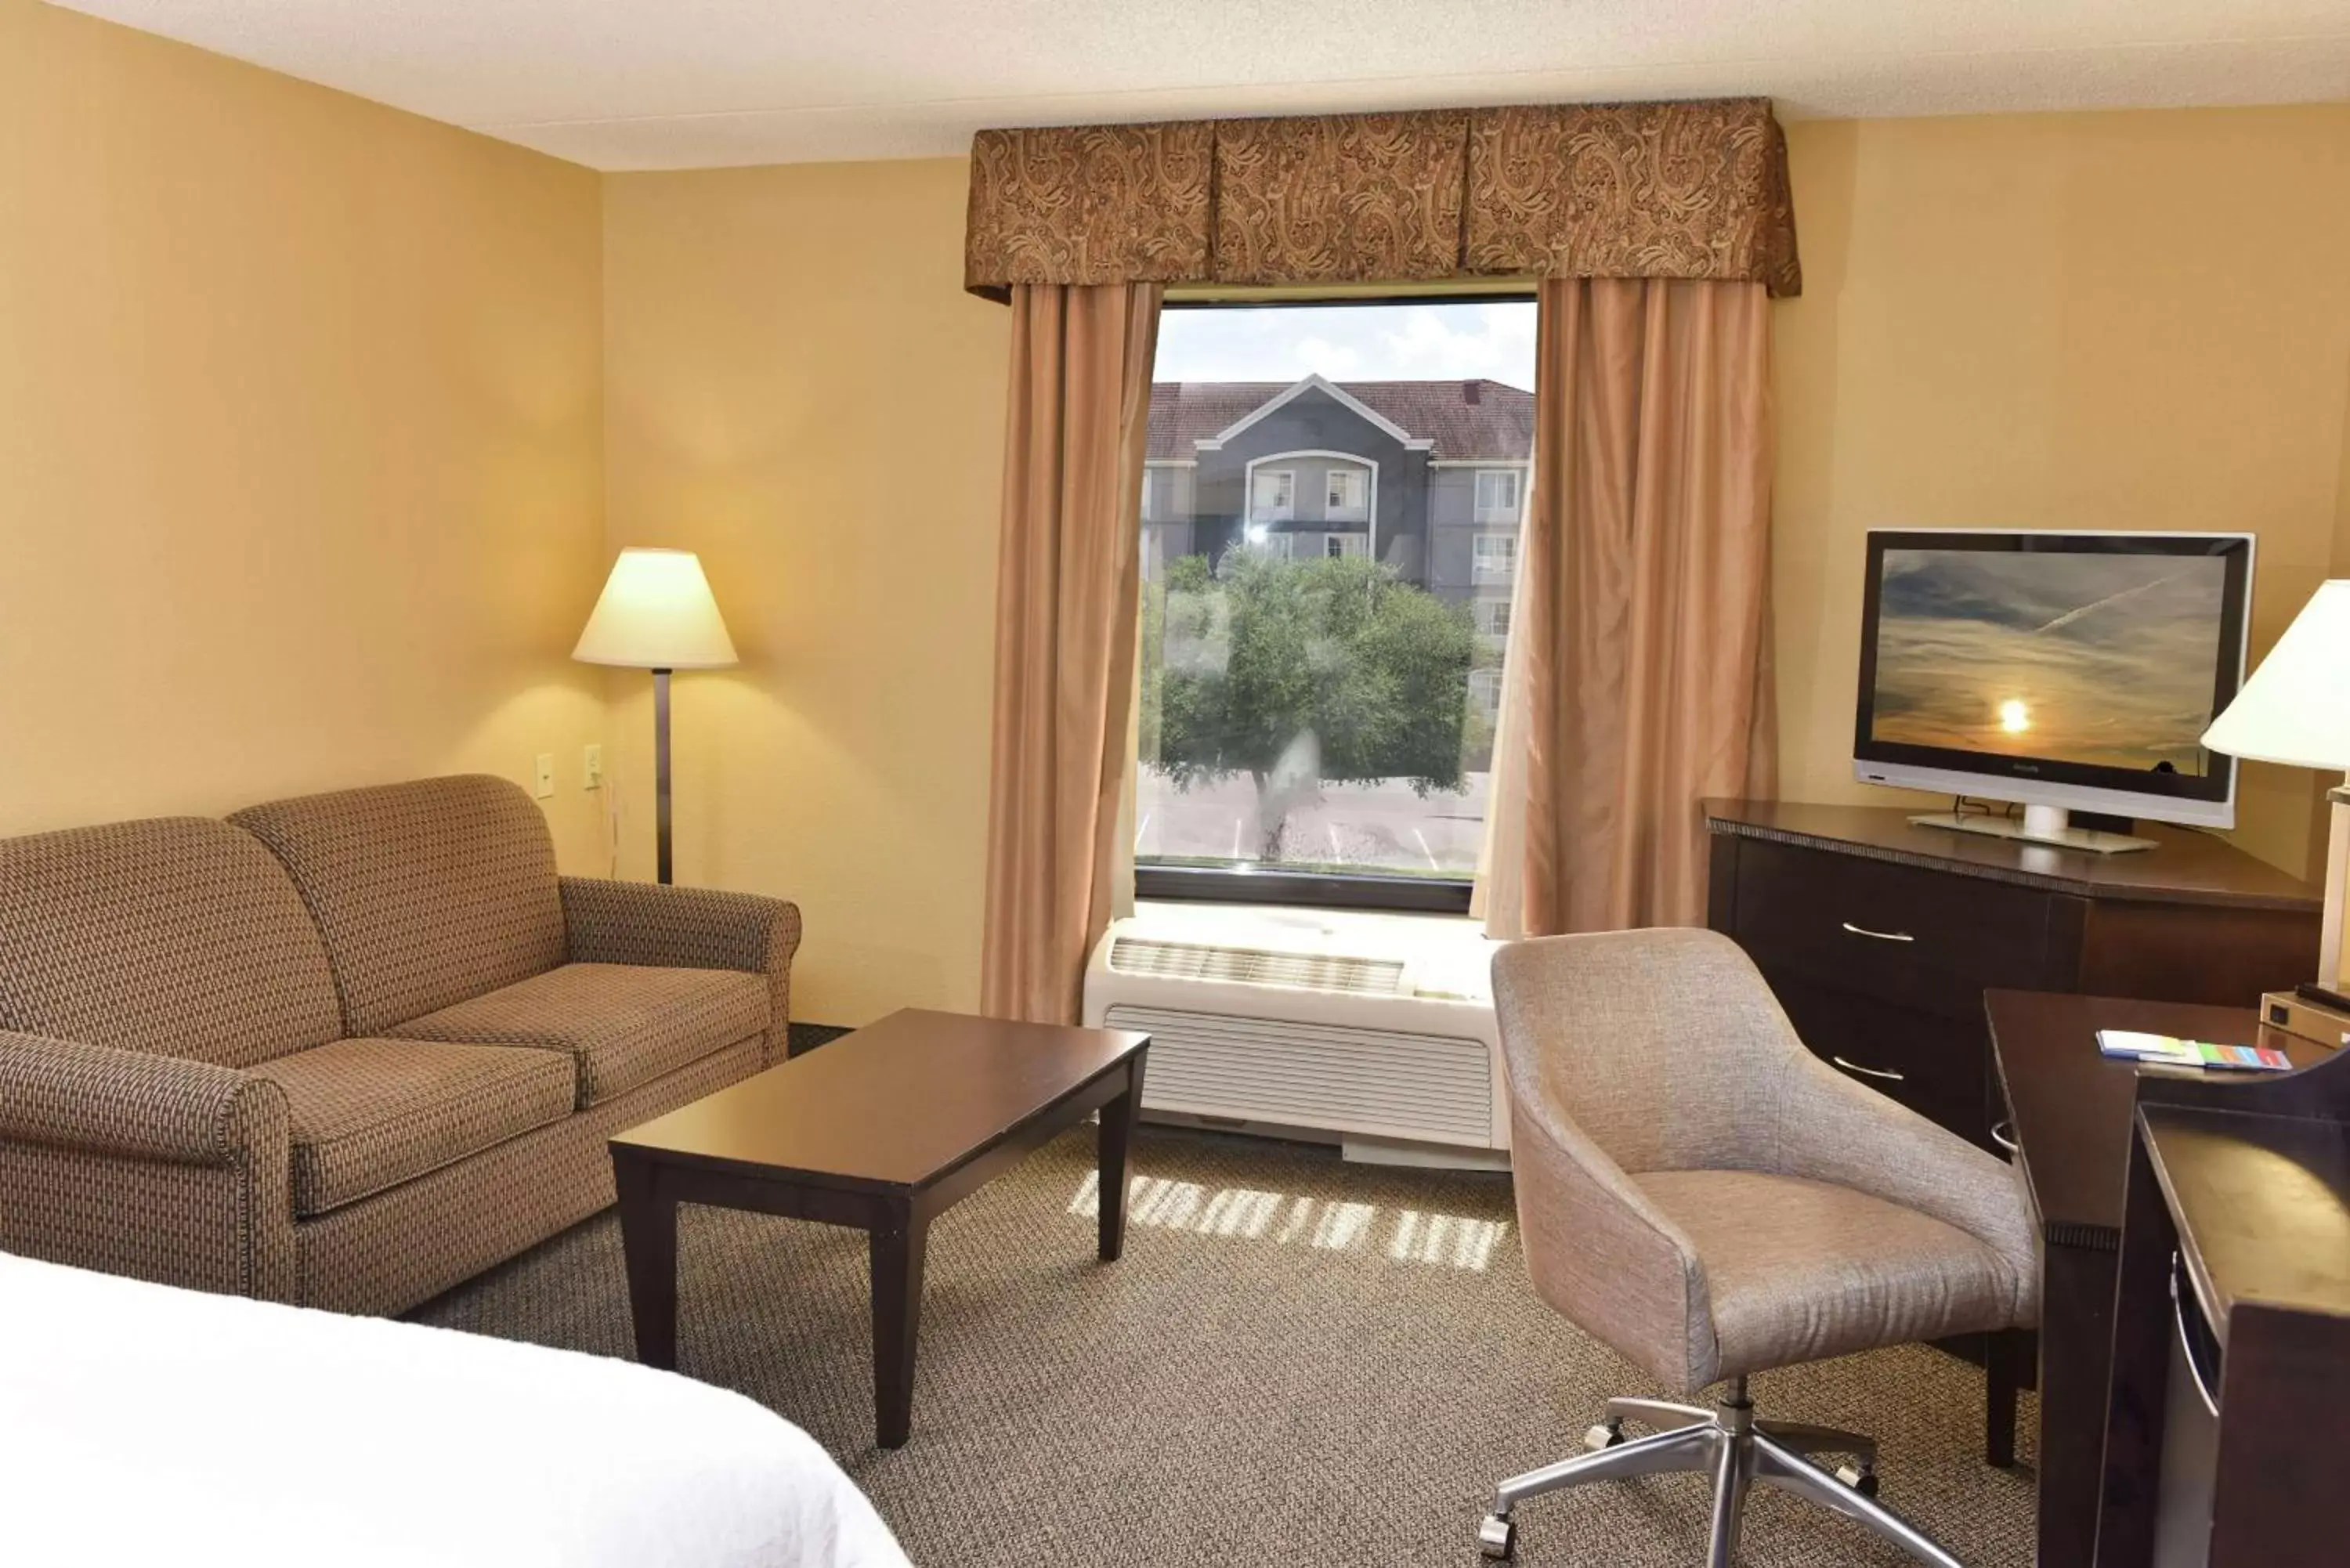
{"x":1466,"y":420}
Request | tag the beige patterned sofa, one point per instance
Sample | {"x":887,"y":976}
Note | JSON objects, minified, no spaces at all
{"x":350,"y":1049}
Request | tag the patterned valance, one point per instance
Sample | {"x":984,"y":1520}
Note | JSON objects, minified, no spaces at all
{"x":1646,"y":189}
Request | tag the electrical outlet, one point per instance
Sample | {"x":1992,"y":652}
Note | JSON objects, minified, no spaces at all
{"x":545,"y":785}
{"x":591,"y":768}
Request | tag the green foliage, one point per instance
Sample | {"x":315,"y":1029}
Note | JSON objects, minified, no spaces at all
{"x":1263,"y":650}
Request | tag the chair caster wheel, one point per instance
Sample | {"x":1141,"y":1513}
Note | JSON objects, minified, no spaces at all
{"x":1497,"y":1538}
{"x":1863,"y":1482}
{"x":1606,"y":1435}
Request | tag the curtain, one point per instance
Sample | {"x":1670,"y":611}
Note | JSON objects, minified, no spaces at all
{"x":1644,"y":608}
{"x":1067,"y":585}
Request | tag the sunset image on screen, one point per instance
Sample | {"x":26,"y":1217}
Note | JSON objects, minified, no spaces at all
{"x":2092,"y":659}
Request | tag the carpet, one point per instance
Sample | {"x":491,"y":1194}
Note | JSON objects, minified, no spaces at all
{"x":1298,"y":1361}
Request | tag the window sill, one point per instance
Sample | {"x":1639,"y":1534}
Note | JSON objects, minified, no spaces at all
{"x":1292,"y":890}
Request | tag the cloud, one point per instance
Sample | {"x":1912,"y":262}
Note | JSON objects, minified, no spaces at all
{"x":1363,"y":343}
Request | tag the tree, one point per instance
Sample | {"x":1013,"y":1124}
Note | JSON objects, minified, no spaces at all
{"x":1302,"y":672}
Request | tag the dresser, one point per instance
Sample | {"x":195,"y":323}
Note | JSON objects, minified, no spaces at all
{"x":1880,"y":937}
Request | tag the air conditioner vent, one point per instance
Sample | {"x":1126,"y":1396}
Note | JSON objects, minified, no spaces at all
{"x":1256,"y":966}
{"x":1384,"y":1083}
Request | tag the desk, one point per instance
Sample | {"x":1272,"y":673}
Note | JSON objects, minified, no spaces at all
{"x":2071,"y":1110}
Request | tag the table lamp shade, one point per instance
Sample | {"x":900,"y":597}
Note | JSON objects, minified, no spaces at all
{"x":2295,"y":710}
{"x":656,"y":613}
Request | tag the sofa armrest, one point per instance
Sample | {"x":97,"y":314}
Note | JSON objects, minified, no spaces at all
{"x":687,"y":928}
{"x":102,"y":1100}
{"x":145,"y":1165}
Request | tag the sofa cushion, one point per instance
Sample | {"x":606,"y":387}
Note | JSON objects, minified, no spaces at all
{"x":371,"y":1113}
{"x":426,"y":893}
{"x":178,"y":936}
{"x":625,"y":1024}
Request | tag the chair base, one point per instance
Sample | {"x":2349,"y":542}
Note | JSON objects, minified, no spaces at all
{"x":1738,"y":1452}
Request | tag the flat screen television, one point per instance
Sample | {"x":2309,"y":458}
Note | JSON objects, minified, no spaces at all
{"x":2069,"y":672}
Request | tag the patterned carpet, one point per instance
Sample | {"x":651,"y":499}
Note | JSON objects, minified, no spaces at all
{"x":1299,"y":1361}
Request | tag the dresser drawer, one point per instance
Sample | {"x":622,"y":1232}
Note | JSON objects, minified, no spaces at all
{"x":1938,"y":1067}
{"x":1921,"y":940}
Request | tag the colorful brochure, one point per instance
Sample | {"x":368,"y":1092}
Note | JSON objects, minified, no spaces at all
{"x":2168,"y":1051}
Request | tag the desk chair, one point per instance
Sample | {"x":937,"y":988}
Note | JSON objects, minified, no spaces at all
{"x":1701,"y":1192}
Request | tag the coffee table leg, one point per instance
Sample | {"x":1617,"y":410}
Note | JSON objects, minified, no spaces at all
{"x":897,"y":1248}
{"x":648,"y":1243}
{"x":1118,"y":1119}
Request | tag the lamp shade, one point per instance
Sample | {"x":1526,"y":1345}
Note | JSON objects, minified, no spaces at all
{"x":656,"y":613}
{"x":2295,"y":710}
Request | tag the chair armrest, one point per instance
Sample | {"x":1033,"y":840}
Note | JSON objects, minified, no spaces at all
{"x":100,"y":1099}
{"x":686,"y":928}
{"x":1601,"y":1252}
{"x":1833,"y":1129}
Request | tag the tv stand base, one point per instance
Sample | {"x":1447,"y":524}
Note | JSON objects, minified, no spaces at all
{"x":2038,"y":825}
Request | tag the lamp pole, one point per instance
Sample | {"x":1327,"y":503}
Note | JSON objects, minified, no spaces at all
{"x":660,"y":776}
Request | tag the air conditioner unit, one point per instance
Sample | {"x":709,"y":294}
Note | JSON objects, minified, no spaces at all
{"x":1375,"y":1030}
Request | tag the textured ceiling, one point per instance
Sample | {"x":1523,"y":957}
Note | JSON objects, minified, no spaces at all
{"x":664,"y":84}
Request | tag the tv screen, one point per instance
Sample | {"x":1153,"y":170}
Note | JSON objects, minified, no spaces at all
{"x":2094,"y":661}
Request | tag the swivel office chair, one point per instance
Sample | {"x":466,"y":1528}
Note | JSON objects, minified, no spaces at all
{"x":1701,"y":1192}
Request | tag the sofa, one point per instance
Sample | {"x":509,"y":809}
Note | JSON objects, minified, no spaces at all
{"x":350,"y":1049}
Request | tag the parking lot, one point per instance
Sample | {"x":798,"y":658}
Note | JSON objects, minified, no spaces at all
{"x":1384,"y":826}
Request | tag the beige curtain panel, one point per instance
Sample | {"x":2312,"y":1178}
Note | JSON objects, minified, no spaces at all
{"x":1644,"y":603}
{"x":1649,"y":190}
{"x":1067,"y":606}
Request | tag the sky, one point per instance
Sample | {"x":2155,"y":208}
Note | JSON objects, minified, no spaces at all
{"x":1350,"y":343}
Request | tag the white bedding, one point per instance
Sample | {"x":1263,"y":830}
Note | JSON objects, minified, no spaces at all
{"x":144,"y":1424}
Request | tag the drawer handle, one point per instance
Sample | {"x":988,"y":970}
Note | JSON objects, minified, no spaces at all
{"x":2187,"y":1344}
{"x":1886,"y":1073}
{"x":1879,"y":936}
{"x":2003,"y":1134}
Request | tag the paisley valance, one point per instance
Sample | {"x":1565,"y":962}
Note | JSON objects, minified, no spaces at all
{"x":1695,"y":190}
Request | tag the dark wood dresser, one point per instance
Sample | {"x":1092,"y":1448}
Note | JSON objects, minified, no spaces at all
{"x":1880,"y":937}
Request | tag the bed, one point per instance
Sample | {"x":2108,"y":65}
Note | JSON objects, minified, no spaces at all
{"x":143,"y":1424}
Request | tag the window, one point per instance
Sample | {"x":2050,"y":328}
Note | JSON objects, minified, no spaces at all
{"x":1349,"y":493}
{"x":1495,"y":556}
{"x":1262,"y":538}
{"x":1318,"y":706}
{"x":1275,"y":498}
{"x":1497,"y":495}
{"x":1485,"y":690}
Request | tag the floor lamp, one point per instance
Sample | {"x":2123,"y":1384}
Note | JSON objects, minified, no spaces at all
{"x":2295,"y":710}
{"x":656,"y":613}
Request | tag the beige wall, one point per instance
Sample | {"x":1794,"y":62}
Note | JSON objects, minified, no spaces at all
{"x":2060,"y":321}
{"x":800,"y":389}
{"x":300,"y":461}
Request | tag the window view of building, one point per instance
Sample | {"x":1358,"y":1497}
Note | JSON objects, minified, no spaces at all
{"x":1328,"y":563}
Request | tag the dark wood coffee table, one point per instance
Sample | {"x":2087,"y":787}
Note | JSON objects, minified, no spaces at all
{"x":883,"y":1129}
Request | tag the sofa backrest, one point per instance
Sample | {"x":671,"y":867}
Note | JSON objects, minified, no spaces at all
{"x":181,"y":936}
{"x":427,"y":893}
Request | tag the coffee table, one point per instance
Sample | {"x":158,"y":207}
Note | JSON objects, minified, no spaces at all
{"x":883,"y":1129}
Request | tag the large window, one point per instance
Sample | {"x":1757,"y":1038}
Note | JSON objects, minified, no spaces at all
{"x":1320,"y":684}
